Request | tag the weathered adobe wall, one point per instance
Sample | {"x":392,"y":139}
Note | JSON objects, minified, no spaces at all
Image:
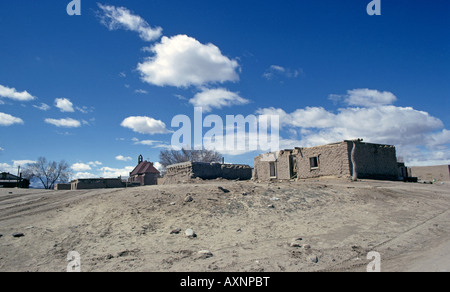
{"x":333,"y":161}
{"x":429,"y":173}
{"x":283,"y":168}
{"x":375,"y":161}
{"x":62,"y":187}
{"x":97,"y":184}
{"x":261,"y":171}
{"x":178,"y":173}
{"x":262,"y":166}
{"x":233,"y":171}
{"x":187,"y":171}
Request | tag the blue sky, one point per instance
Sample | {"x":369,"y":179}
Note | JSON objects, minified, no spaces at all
{"x":99,"y":89}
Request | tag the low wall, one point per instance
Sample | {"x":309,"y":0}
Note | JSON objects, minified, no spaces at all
{"x":88,"y":184}
{"x":207,"y":171}
{"x":63,"y":187}
{"x":430,"y":173}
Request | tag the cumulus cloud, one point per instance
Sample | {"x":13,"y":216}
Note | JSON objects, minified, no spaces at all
{"x":414,"y":132}
{"x":42,"y":107}
{"x":123,"y":158}
{"x":64,"y":105}
{"x":81,"y":167}
{"x":183,"y":61}
{"x":217,"y":98}
{"x":12,"y":168}
{"x":121,"y":18}
{"x":9,"y":120}
{"x":64,"y":123}
{"x":365,"y":97}
{"x":383,"y":124}
{"x":95,"y":163}
{"x":145,"y":125}
{"x":13,"y":94}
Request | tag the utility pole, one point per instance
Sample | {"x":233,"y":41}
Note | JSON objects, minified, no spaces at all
{"x":18,"y":178}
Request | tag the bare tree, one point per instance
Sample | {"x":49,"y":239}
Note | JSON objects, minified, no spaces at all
{"x":169,"y":157}
{"x":49,"y":173}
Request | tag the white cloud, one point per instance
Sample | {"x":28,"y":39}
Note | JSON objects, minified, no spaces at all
{"x":146,"y":142}
{"x":64,"y":105}
{"x":183,"y":61}
{"x":415,"y":133}
{"x":121,"y":18}
{"x":141,"y":91}
{"x":365,"y":97}
{"x":217,"y":98}
{"x":123,"y":158}
{"x":382,"y":124}
{"x":153,"y":143}
{"x":108,"y":172}
{"x":95,"y":163}
{"x":42,"y":107}
{"x":1,"y":149}
{"x":279,"y":71}
{"x":8,"y":120}
{"x":84,"y":175}
{"x":12,"y":93}
{"x":158,"y":166}
{"x":64,"y":123}
{"x":5,"y":167}
{"x":145,"y":125}
{"x":85,"y":109}
{"x":81,"y":167}
{"x":22,"y":163}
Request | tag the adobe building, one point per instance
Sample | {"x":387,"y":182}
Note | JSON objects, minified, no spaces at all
{"x":191,"y":170}
{"x":371,"y":161}
{"x":97,"y":183}
{"x":144,"y":174}
{"x":431,"y":173}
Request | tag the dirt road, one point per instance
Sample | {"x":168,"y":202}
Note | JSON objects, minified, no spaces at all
{"x":318,"y":225}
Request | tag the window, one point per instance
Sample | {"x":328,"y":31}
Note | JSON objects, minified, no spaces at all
{"x":314,"y":162}
{"x":273,"y":170}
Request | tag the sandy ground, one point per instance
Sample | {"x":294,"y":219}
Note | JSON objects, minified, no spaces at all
{"x":246,"y":226}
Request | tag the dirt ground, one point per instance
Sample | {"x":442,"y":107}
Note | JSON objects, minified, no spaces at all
{"x":315,"y":225}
